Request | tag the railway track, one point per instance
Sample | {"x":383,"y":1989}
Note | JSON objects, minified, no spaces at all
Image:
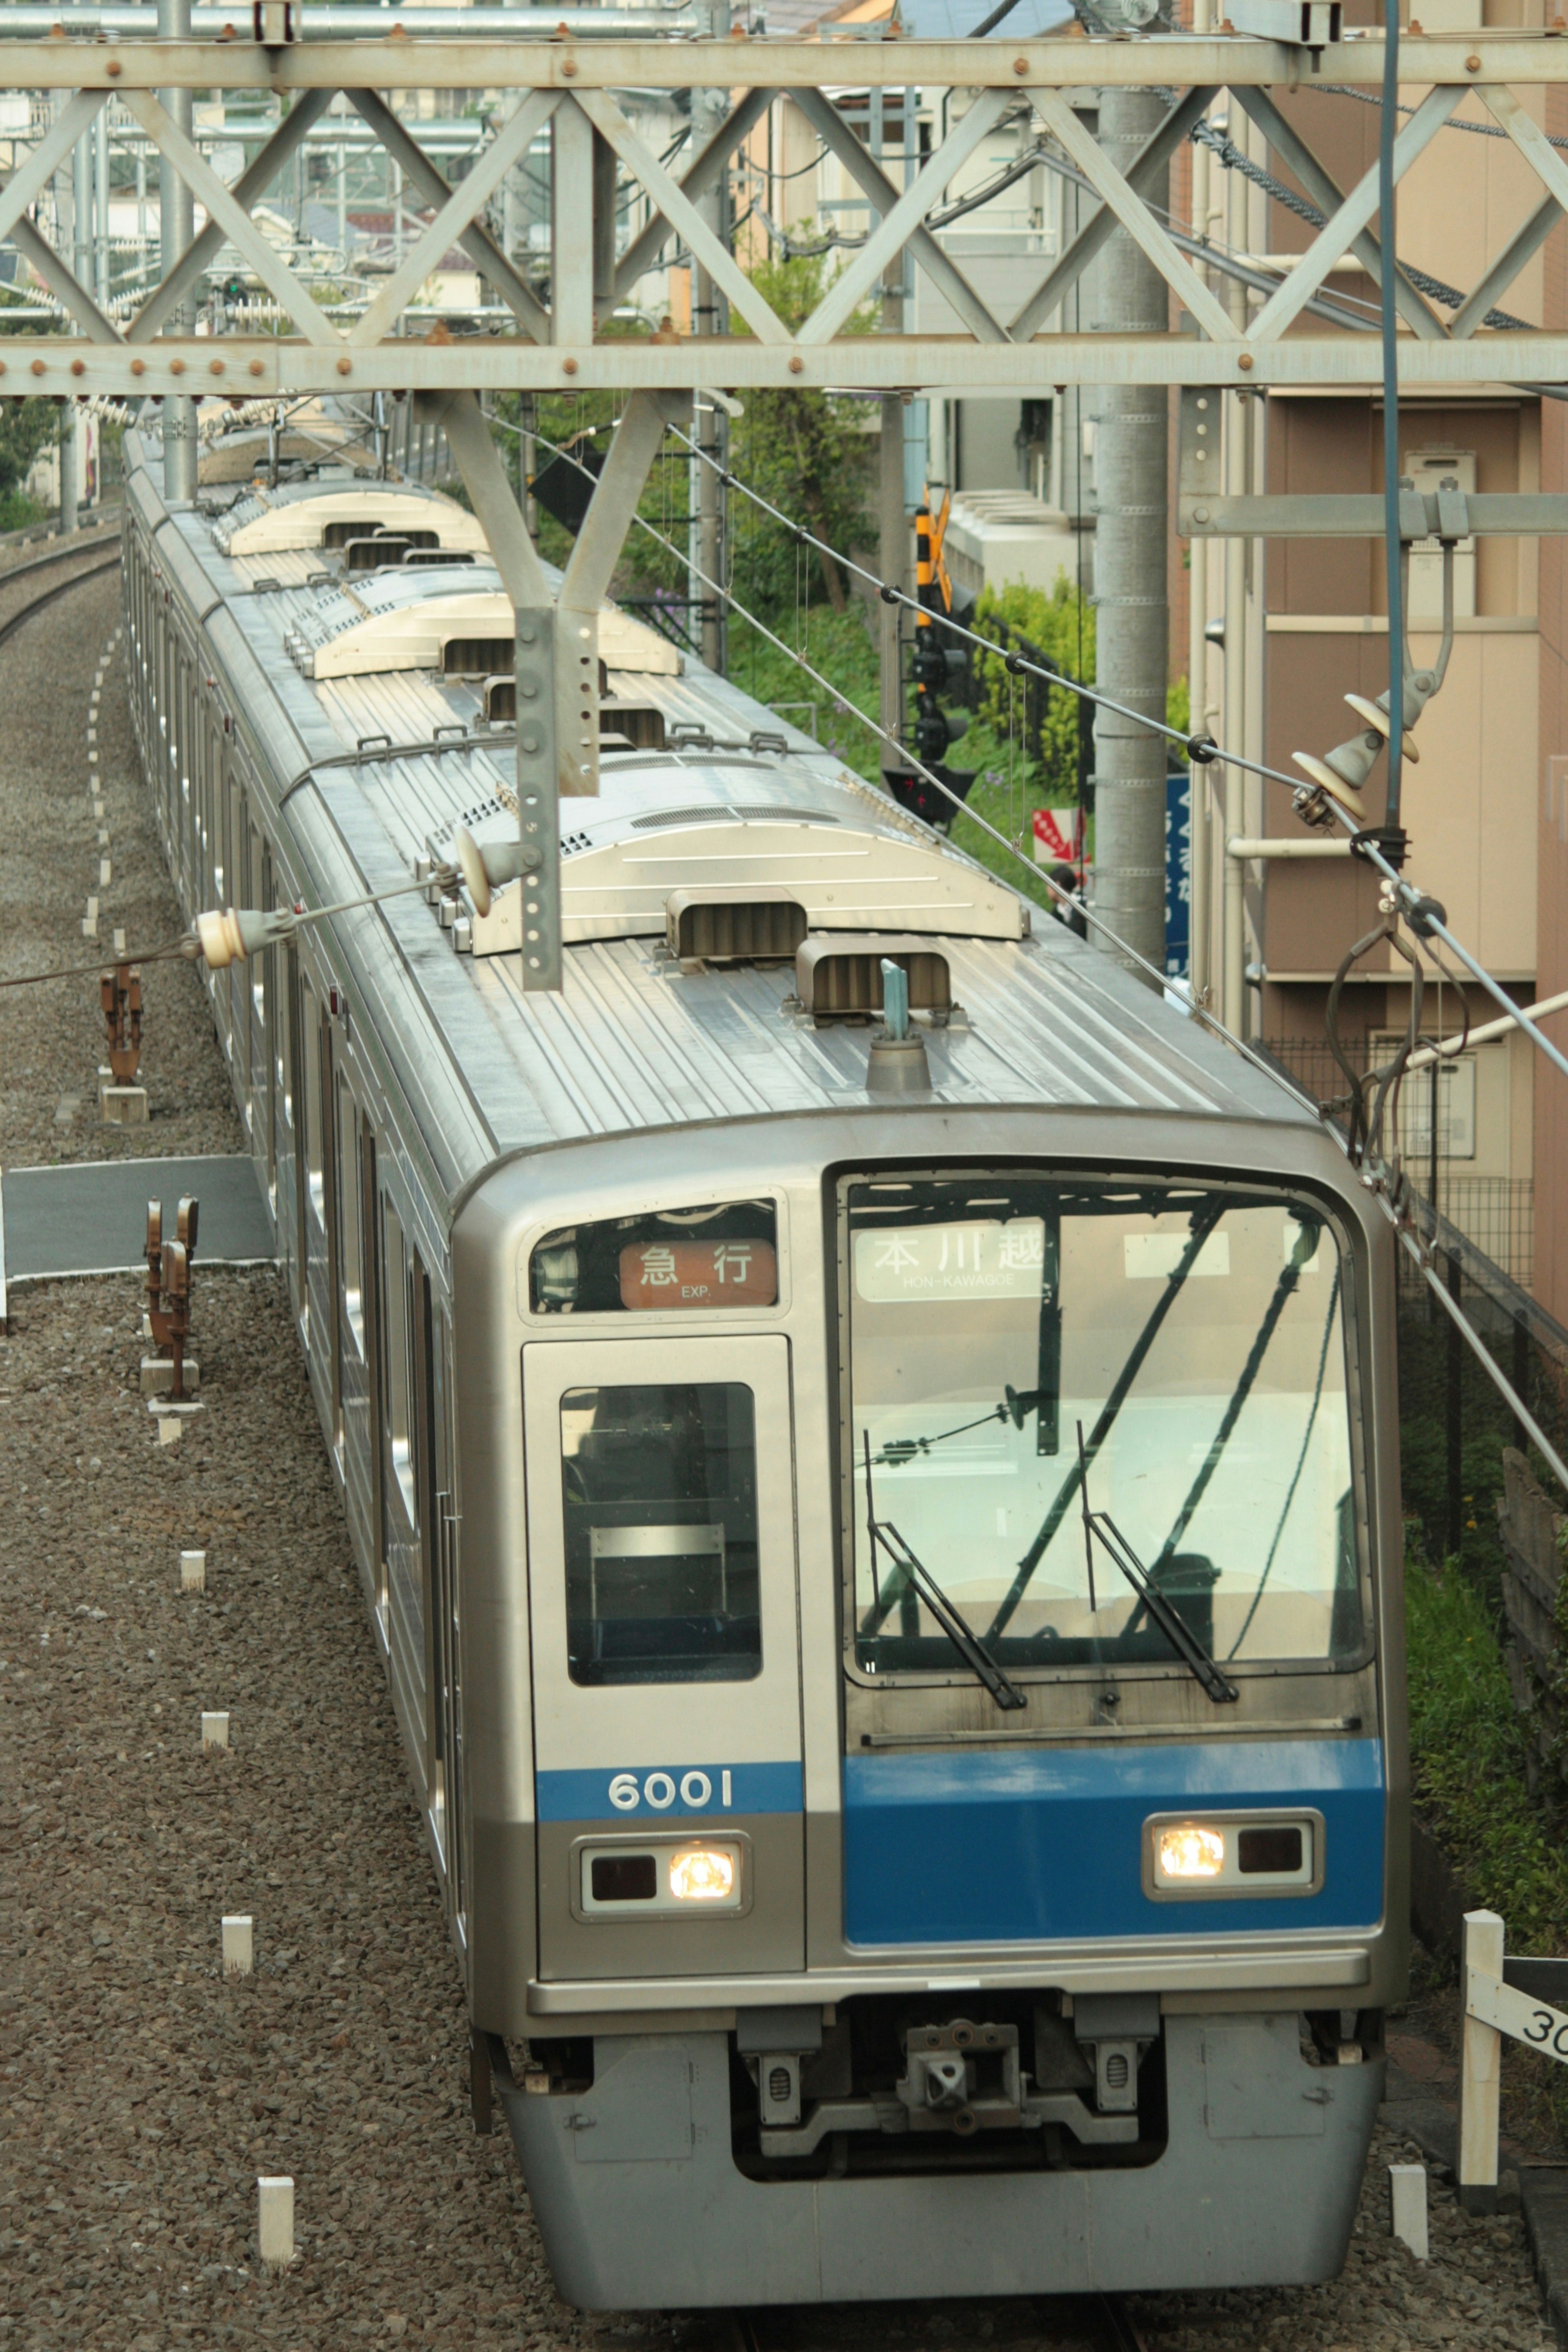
{"x":40,"y":602}
{"x":1073,"y":2322}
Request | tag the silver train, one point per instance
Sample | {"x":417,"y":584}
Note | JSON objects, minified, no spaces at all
{"x":886,"y":1546}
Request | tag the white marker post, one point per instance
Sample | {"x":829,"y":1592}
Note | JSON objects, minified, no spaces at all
{"x":275,"y":2220}
{"x":1480,"y":2060}
{"x":1408,"y":2183}
{"x":193,"y":1571}
{"x":238,"y":1944}
{"x":1495,"y":2005}
{"x":214,"y":1730}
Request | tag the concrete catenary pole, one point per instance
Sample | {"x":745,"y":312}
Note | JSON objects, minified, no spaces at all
{"x":67,"y":190}
{"x":892,"y":493}
{"x":176,"y":228}
{"x":710,"y":424}
{"x":1132,"y":618}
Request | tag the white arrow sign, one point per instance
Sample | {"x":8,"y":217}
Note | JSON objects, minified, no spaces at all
{"x":1514,"y":2012}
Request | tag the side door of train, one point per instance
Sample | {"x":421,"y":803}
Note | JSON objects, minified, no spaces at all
{"x":667,"y":1702}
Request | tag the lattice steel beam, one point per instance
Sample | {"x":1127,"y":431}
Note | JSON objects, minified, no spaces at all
{"x":1231,"y":61}
{"x":570,"y":85}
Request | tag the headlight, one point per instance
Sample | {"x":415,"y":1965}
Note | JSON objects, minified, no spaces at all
{"x":703,"y":1873}
{"x":1230,"y":1855}
{"x":1189,"y":1852}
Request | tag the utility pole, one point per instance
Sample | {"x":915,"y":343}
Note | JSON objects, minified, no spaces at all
{"x":709,"y":426}
{"x":1199,"y":834}
{"x":1132,"y":617}
{"x":1238,"y":481}
{"x":892,"y":513}
{"x":68,"y":235}
{"x":177,"y":225}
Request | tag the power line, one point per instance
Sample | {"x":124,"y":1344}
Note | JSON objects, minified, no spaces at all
{"x":1161,"y":981}
{"x":1392,"y":1197}
{"x":1425,"y":915}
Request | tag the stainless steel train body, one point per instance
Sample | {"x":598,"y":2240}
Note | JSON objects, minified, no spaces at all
{"x":696,"y":1407}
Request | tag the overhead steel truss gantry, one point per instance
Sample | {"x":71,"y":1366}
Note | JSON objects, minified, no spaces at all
{"x":570,"y":83}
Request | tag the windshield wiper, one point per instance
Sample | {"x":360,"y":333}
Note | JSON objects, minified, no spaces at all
{"x":1203,"y":1222}
{"x":919,"y":1578}
{"x":1168,"y":1617}
{"x":1016,"y":1405}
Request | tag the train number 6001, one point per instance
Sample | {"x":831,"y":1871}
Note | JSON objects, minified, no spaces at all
{"x":659,"y":1791}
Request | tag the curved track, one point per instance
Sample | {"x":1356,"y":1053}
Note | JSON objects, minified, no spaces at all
{"x":47,"y":596}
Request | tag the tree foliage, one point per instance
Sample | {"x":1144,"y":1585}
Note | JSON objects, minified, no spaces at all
{"x":807,"y":452}
{"x":25,"y":427}
{"x":1059,"y":624}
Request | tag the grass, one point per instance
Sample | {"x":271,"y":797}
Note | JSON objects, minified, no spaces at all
{"x":20,"y":512}
{"x":1468,"y":1755}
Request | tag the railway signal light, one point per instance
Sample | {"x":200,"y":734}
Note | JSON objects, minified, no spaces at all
{"x":935,"y":729}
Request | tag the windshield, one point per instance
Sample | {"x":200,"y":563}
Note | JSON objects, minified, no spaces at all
{"x":1193,"y":1334}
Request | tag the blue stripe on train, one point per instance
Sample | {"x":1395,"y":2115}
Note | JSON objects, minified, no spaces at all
{"x":650,"y":1793}
{"x":1032,"y":1845}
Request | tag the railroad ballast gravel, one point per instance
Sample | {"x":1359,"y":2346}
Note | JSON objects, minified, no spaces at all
{"x":141,"y":2094}
{"x":52,"y":1037}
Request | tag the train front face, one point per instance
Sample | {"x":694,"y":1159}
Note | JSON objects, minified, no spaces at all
{"x":935,"y":1742}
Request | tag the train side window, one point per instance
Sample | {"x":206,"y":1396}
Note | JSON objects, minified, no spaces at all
{"x":286,"y":981}
{"x":659,"y":1493}
{"x":257,"y":894}
{"x":350,"y":1213}
{"x":310,"y":1108}
{"x":399,"y":1383}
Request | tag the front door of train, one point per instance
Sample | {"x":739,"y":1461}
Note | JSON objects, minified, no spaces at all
{"x":666,"y":1659}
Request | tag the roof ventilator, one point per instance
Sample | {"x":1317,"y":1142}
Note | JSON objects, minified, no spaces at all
{"x":381,"y":547}
{"x":897,"y":1063}
{"x":837,"y":980}
{"x":353,"y":535}
{"x":743,"y":926}
{"x":475,"y":656}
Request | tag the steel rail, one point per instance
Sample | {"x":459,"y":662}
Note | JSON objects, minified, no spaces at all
{"x":37,"y":604}
{"x":56,"y":555}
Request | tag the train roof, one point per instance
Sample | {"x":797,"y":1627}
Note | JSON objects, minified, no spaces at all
{"x":369,"y":772}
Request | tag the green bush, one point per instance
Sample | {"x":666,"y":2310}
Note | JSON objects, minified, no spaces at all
{"x":1467,"y":1755}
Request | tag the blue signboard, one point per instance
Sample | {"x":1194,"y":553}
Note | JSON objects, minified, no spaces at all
{"x":1178,"y":872}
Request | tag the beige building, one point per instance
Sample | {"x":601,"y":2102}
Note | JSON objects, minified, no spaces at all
{"x":1486,"y":808}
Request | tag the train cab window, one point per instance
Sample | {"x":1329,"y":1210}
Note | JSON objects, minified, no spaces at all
{"x":659,"y":1490}
{"x":722,"y":1254}
{"x":1178,"y":1351}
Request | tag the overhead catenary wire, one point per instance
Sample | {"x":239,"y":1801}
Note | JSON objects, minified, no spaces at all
{"x":1427,"y":915}
{"x":1197,"y":746}
{"x":1059,"y":895}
